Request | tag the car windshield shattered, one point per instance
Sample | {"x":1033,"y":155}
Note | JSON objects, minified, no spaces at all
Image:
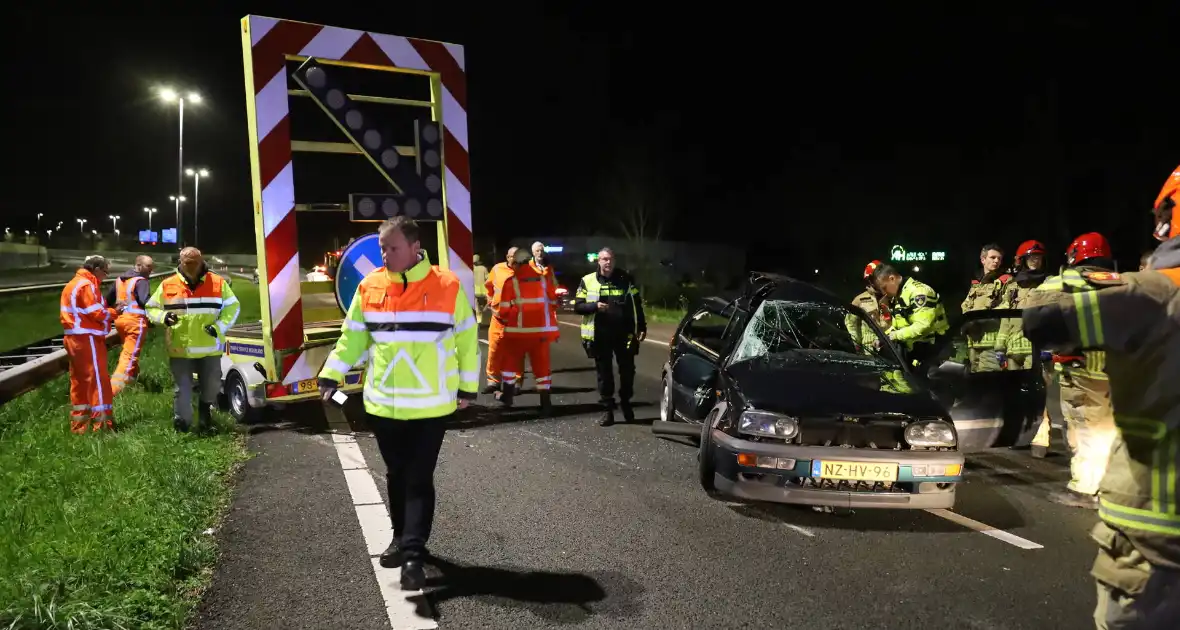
{"x":810,"y":332}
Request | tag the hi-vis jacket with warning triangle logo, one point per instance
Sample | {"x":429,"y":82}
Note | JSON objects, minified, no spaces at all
{"x":421,"y":337}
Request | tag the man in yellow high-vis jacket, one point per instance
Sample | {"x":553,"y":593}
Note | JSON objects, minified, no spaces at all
{"x":421,"y":334}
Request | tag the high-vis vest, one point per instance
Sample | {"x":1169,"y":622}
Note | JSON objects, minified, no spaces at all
{"x":526,"y":303}
{"x":595,"y":290}
{"x":125,"y":295}
{"x":210,"y":302}
{"x":918,"y":314}
{"x":83,"y":309}
{"x":422,"y":341}
{"x":481,"y":279}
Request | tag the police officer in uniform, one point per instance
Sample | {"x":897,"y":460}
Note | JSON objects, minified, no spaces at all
{"x":872,"y":302}
{"x":612,"y":325}
{"x":987,"y":291}
{"x":919,"y":319}
{"x":1135,"y":319}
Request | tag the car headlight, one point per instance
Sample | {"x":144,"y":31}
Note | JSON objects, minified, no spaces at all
{"x":930,"y":433}
{"x":765,"y":424}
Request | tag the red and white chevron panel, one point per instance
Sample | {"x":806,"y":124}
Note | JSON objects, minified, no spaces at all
{"x":270,"y":40}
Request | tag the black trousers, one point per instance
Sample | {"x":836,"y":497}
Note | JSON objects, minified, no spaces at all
{"x":603,"y":351}
{"x":410,"y":450}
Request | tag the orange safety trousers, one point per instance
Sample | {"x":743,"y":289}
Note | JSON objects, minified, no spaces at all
{"x":132,"y":328}
{"x":496,"y":351}
{"x":510,"y":360}
{"x":90,"y":384}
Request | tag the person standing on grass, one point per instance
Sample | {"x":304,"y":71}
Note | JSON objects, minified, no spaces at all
{"x":197,"y":306}
{"x":422,"y":338}
{"x":130,"y":295}
{"x":86,"y":320}
{"x":613,"y":324}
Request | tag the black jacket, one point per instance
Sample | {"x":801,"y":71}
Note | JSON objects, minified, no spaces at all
{"x":142,"y":289}
{"x":616,"y":322}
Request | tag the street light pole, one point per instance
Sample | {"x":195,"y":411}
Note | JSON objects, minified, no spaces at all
{"x":197,"y":174}
{"x":114,"y":221}
{"x":81,"y":226}
{"x":150,"y":212}
{"x":169,"y":95}
{"x":39,"y":215}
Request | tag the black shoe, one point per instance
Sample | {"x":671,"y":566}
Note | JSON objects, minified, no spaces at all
{"x":205,"y":419}
{"x":491,"y":388}
{"x":392,"y":556}
{"x":546,"y":404}
{"x":505,"y":395}
{"x":607,"y":419}
{"x":516,"y":389}
{"x":180,"y":424}
{"x":413,"y":575}
{"x":628,"y":412}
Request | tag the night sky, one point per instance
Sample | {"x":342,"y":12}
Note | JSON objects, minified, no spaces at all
{"x":812,"y":139}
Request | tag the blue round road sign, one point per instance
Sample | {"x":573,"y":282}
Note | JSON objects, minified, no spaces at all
{"x":356,"y":261}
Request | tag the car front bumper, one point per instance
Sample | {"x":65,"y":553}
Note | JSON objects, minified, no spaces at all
{"x":782,"y":485}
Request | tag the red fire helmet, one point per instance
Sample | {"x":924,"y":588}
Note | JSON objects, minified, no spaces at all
{"x":1087,"y":246}
{"x":871,"y":267}
{"x":1028,"y":248}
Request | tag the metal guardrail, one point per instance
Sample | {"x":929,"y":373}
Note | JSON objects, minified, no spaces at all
{"x":45,"y":287}
{"x":27,"y":368}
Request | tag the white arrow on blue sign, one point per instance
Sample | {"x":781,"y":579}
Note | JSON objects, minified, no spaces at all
{"x":360,"y":258}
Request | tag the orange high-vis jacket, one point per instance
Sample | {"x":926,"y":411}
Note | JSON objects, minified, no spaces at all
{"x":83,"y":309}
{"x":125,"y":294}
{"x":526,"y":303}
{"x":495,"y":281}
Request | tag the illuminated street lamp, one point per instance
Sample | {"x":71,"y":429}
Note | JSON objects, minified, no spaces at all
{"x":150,"y":212}
{"x":114,"y":222}
{"x":197,"y":174}
{"x":169,"y":95}
{"x":177,"y":200}
{"x":39,"y":215}
{"x":81,"y":224}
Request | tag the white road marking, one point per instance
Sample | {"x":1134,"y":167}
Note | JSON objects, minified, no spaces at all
{"x":648,"y":340}
{"x":986,"y":530}
{"x":373,"y":517}
{"x":790,"y":526}
{"x":553,"y":440}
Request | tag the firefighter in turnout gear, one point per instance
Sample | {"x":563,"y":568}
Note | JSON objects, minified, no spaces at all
{"x":986,"y":292}
{"x":130,"y":296}
{"x":421,"y":335}
{"x":86,"y":320}
{"x":1015,"y":352}
{"x":872,"y":302}
{"x":1135,"y":319}
{"x":198,"y":307}
{"x":495,"y":282}
{"x":919,"y":319}
{"x":530,"y":324}
{"x":1083,"y":383}
{"x":613,"y":324}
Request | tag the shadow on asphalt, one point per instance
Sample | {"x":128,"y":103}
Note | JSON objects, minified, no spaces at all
{"x":556,"y":598}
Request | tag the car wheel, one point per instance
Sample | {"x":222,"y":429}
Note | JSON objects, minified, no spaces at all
{"x":666,"y":412}
{"x":239,"y":400}
{"x":705,"y":465}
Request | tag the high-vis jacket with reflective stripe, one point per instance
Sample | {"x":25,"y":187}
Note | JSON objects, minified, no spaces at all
{"x":1134,"y":319}
{"x":128,"y":291}
{"x":208,"y":300}
{"x":83,"y":309}
{"x":918,"y":314}
{"x":623,"y":319}
{"x":421,"y":338}
{"x":526,"y":305}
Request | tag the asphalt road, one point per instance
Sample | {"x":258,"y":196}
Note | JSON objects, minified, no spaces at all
{"x":558,"y":522}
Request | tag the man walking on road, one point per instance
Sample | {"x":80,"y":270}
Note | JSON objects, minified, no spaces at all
{"x":197,"y":306}
{"x":86,"y":320}
{"x":493,"y":286}
{"x":422,"y":338}
{"x":1135,"y":319}
{"x":530,"y":325}
{"x":613,"y":324}
{"x":130,"y":296}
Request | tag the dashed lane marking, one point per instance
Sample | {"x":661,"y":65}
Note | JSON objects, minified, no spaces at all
{"x":378,"y":531}
{"x":648,"y":340}
{"x":985,"y":529}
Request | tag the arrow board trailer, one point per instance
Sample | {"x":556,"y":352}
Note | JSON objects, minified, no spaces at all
{"x":347,"y":129}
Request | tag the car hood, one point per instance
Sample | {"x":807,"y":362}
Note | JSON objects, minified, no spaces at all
{"x":831,"y":388}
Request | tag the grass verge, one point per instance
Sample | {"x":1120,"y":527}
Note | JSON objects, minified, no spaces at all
{"x":663,"y":315}
{"x":108,"y":530}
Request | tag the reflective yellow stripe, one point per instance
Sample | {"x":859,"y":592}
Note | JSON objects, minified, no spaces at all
{"x":1146,"y":520}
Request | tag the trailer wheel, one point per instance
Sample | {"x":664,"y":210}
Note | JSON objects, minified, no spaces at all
{"x":239,"y":400}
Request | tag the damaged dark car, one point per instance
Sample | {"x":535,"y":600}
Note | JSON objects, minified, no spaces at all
{"x":790,"y":406}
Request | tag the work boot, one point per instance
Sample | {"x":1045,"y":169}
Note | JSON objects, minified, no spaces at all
{"x":180,"y":424}
{"x":491,"y":388}
{"x":204,"y":419}
{"x":608,"y":417}
{"x":546,"y":404}
{"x":628,"y":411}
{"x":1039,"y":452}
{"x":505,"y":394}
{"x":413,"y":575}
{"x":516,"y":387}
{"x":392,"y":556}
